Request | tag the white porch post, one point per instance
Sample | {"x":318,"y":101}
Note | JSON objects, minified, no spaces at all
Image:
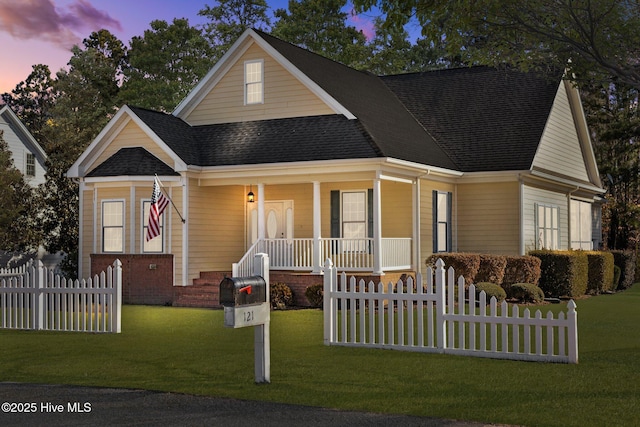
{"x":261,"y":226}
{"x":377,"y":229}
{"x":317,"y":255}
{"x":417,"y":256}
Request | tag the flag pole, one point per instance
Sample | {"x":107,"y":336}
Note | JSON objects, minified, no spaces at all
{"x":167,"y":196}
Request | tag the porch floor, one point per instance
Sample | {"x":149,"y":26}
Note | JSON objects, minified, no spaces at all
{"x":205,"y":290}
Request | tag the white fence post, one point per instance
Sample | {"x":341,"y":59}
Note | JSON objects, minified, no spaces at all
{"x":39,"y":295}
{"x":329,"y":284}
{"x":572,"y":332}
{"x":117,"y":273}
{"x":441,"y":325}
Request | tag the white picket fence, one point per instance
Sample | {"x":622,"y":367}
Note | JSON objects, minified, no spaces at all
{"x":36,"y":298}
{"x":440,"y":317}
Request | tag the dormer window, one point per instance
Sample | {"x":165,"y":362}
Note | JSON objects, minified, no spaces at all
{"x":253,"y":82}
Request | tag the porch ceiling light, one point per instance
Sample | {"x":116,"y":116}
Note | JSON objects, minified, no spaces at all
{"x":250,"y":196}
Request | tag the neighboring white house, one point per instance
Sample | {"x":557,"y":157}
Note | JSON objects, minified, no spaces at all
{"x":28,"y":157}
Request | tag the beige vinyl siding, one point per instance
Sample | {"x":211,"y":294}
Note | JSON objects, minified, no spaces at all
{"x":302,"y":196}
{"x":559,"y":149}
{"x":489,"y":218}
{"x":426,"y":216}
{"x":131,"y":136}
{"x":216,"y":227}
{"x":531,"y":196}
{"x":284,"y":95}
{"x":86,"y":210}
{"x":397,"y":217}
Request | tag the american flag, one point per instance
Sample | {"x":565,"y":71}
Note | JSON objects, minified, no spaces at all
{"x":158,"y":205}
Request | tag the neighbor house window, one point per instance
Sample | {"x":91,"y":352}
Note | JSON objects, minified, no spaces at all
{"x":156,"y":244}
{"x":547,"y":226}
{"x":113,"y":226}
{"x":442,"y":241}
{"x":30,"y":169}
{"x":581,"y":225}
{"x":253,"y":82}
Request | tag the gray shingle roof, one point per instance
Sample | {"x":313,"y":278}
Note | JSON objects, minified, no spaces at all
{"x":132,"y":161}
{"x":466,"y":119}
{"x":486,"y":119}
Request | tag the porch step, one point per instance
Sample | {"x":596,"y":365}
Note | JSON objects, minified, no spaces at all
{"x":205,"y":291}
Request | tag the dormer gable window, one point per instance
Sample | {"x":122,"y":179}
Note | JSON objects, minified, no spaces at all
{"x":254,"y":82}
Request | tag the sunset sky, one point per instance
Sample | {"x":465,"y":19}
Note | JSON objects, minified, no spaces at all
{"x":43,"y":31}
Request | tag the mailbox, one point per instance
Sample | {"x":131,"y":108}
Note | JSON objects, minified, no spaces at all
{"x":239,"y":291}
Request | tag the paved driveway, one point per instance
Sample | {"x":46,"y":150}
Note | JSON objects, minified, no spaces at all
{"x":56,"y":405}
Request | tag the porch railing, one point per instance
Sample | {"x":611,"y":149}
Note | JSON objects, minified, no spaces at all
{"x":346,"y":254}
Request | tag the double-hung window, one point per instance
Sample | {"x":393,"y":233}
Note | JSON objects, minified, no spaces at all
{"x":155,"y":245}
{"x":354,"y":220}
{"x":253,"y":82}
{"x":547,"y":226}
{"x":113,"y":226}
{"x":30,"y":165}
{"x":442,"y":234}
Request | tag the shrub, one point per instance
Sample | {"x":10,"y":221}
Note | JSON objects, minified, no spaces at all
{"x":600,"y":271}
{"x":281,"y":296}
{"x":521,"y":269}
{"x":491,"y":269}
{"x":526,"y":292}
{"x":315,"y":295}
{"x":616,"y":276}
{"x":491,"y":290}
{"x":465,"y":265}
{"x":624,"y":260}
{"x":563,"y":273}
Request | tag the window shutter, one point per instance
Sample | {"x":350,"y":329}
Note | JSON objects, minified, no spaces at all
{"x":335,"y":213}
{"x":449,"y":223}
{"x":434,"y":219}
{"x":370,"y":212}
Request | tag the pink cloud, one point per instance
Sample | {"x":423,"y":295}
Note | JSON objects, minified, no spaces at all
{"x":40,"y":19}
{"x":363,"y":24}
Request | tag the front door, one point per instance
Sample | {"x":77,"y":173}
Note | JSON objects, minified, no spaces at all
{"x":278,"y":220}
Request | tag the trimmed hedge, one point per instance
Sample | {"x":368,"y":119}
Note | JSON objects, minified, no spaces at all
{"x":525,"y":292}
{"x":521,"y":269}
{"x":315,"y":295}
{"x":600,"y":272}
{"x":491,"y":290}
{"x":625,"y":260}
{"x":491,"y":269}
{"x":281,"y":296}
{"x":563,"y":273}
{"x":465,"y":265}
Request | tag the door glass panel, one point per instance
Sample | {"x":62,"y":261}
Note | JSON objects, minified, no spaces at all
{"x":272,"y":224}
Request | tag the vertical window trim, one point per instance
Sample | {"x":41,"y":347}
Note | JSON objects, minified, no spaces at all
{"x":448,"y":223}
{"x":145,"y":225}
{"x":261,"y":82}
{"x":122,"y":227}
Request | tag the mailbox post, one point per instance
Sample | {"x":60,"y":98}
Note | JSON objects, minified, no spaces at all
{"x":246,"y":303}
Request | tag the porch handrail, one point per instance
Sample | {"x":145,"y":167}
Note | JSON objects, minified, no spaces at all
{"x":245,"y":266}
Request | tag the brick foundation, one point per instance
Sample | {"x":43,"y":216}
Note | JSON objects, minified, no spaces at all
{"x":146,"y":279}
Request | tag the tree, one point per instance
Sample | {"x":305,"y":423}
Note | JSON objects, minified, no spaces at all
{"x":32,"y":100}
{"x":230,"y":19}
{"x":164,"y":65}
{"x":320,"y":26}
{"x":594,"y":39}
{"x":16,"y":231}
{"x":612,"y":112}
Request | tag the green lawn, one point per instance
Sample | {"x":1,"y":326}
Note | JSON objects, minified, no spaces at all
{"x":189,"y":351}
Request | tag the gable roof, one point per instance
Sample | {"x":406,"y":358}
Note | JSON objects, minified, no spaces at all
{"x":132,"y":161}
{"x":21,"y":131}
{"x":486,"y":119}
{"x":393,"y":129}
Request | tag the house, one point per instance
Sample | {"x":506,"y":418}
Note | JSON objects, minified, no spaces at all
{"x":28,"y":157}
{"x":281,"y":150}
